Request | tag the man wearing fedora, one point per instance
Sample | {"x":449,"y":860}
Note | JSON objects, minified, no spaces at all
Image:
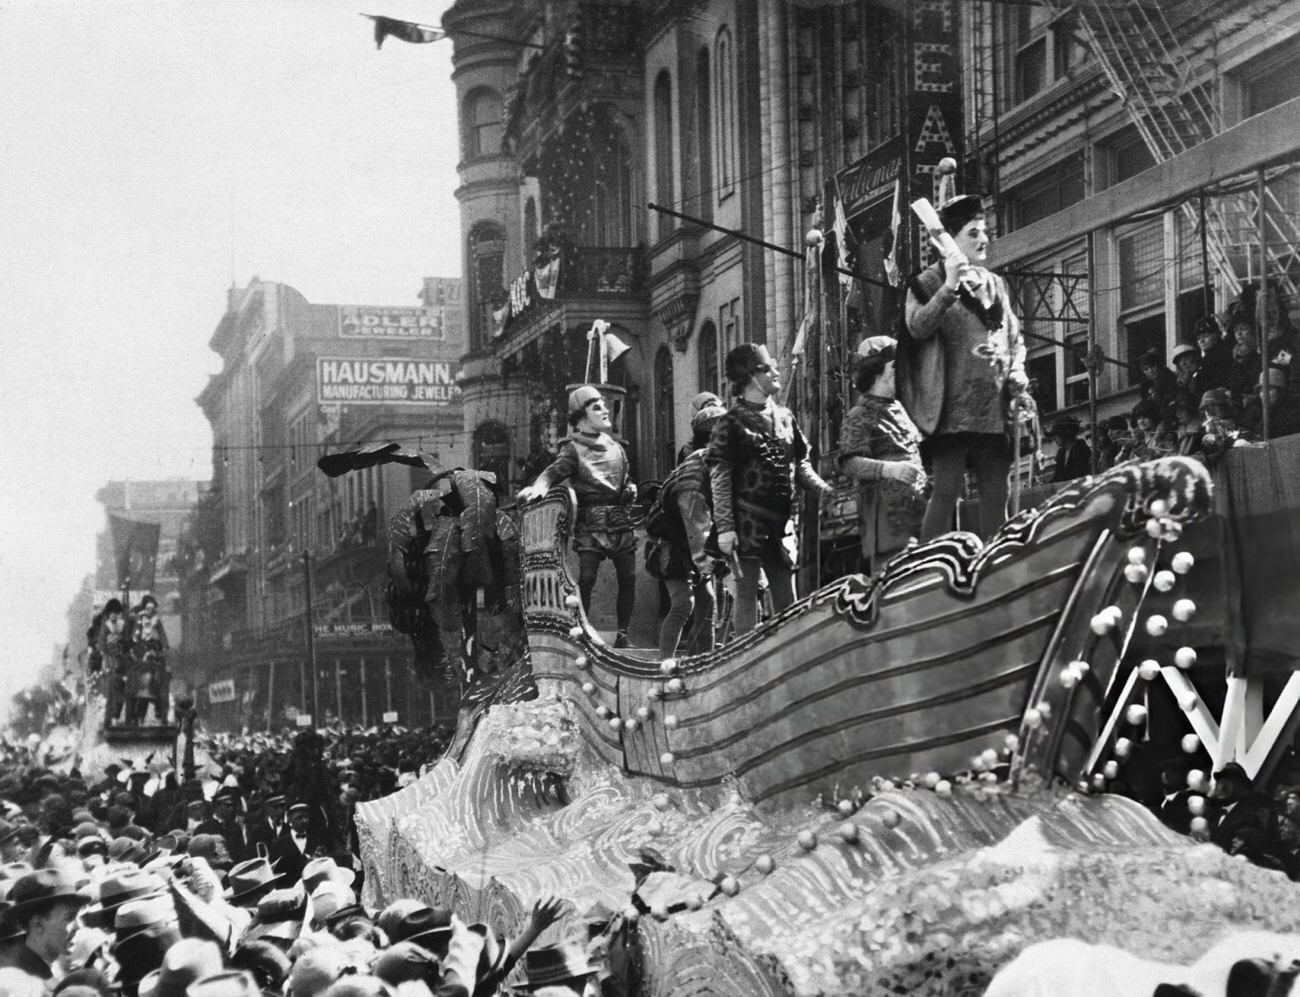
{"x":757,"y":460}
{"x":44,"y":907}
{"x":596,"y":465}
{"x":560,"y":971}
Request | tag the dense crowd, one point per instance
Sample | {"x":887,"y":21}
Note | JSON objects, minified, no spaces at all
{"x":224,"y":886}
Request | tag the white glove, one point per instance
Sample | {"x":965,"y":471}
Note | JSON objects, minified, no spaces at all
{"x":904,"y":471}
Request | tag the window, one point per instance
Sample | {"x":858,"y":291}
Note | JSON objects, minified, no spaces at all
{"x":729,"y":322}
{"x":486,"y":280}
{"x":1042,"y":47}
{"x":708,"y":351}
{"x":1050,"y":191}
{"x":704,"y":134}
{"x":1141,"y":292}
{"x":663,"y":151}
{"x":1277,"y":84}
{"x":724,"y":102}
{"x":1054,"y":317}
{"x":614,"y":196}
{"x":1122,"y":157}
{"x":665,"y":447}
{"x":484,"y":127}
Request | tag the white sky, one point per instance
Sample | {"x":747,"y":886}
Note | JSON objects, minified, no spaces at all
{"x":152,"y":153}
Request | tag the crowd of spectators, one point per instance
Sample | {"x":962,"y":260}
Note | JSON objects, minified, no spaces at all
{"x":239,"y":883}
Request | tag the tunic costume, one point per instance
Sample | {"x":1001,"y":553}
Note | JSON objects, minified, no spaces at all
{"x":756,"y":457}
{"x":889,"y":511}
{"x":685,"y":556}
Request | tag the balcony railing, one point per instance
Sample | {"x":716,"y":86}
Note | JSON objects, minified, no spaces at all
{"x":577,"y":273}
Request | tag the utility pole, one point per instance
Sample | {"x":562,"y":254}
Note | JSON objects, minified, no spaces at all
{"x":310,"y":634}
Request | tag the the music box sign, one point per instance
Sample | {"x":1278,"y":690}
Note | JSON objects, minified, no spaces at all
{"x":386,"y":381}
{"x":373,"y":322}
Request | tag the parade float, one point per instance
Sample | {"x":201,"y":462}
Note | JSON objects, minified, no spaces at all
{"x":895,"y":785}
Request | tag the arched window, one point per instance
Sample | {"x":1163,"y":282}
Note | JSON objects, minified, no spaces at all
{"x":487,"y":280}
{"x":708,"y":352}
{"x":484,"y":127}
{"x":704,"y":133}
{"x":724,"y":103}
{"x":665,"y":448}
{"x":613,"y":202}
{"x":492,"y":451}
{"x":663,"y":151}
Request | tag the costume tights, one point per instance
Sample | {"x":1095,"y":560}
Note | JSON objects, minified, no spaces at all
{"x":624,"y":570}
{"x":770,"y":560}
{"x":685,"y":599}
{"x":991,"y":459}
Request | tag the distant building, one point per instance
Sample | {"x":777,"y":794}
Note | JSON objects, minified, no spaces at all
{"x":298,"y":380}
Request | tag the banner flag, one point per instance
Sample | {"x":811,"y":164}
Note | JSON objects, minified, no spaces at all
{"x":135,"y":552}
{"x":407,"y":31}
{"x":895,"y":220}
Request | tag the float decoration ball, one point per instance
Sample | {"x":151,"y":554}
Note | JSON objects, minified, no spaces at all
{"x":848,"y":832}
{"x":813,"y":237}
{"x":729,"y":885}
{"x":630,"y":724}
{"x":1068,"y":678}
{"x":947,"y":166}
{"x":643,"y":713}
{"x":1184,"y":610}
{"x":1149,"y":670}
{"x":673,"y":686}
{"x":670,"y":720}
{"x":1137,"y":556}
{"x":615,"y":723}
{"x":668,"y":666}
{"x":1182,"y":562}
{"x":1196,"y":780}
{"x":631,"y":914}
{"x":654,"y":829}
{"x":581,"y":661}
{"x":1102,"y":624}
{"x":765,"y":864}
{"x":1172,"y":530}
{"x":1111,"y":769}
{"x":575,"y":632}
{"x":659,"y":911}
{"x":1154,"y":529}
{"x":602,"y":711}
{"x":807,"y":840}
{"x":667,"y":758}
{"x":1158,"y":507}
{"x":1157,"y":625}
{"x":943,"y":788}
{"x":1045,"y":708}
{"x":1187,"y":701}
{"x":661,"y":801}
{"x":1012,"y":742}
{"x":1136,"y":714}
{"x":1099,"y":782}
{"x":1190,"y":744}
{"x":572,"y":601}
{"x":1196,"y":805}
{"x":845,"y":807}
{"x":1033,"y":719}
{"x":1163,"y":581}
{"x":931,"y":779}
{"x":693,"y":902}
{"x":1123,"y":747}
{"x":1199,"y":825}
{"x":1185,"y":657}
{"x":1136,"y":574}
{"x":589,"y":688}
{"x":654,"y":693}
{"x":891,"y":819}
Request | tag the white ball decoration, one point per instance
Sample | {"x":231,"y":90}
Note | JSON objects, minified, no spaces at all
{"x":812,"y":238}
{"x":602,"y":711}
{"x":1158,"y":507}
{"x":1149,"y":670}
{"x":667,"y":758}
{"x":1068,"y":678}
{"x":1172,"y":530}
{"x":1102,"y":623}
{"x":1111,"y":769}
{"x":943,"y":788}
{"x":581,"y":661}
{"x":661,"y":801}
{"x":1182,"y":562}
{"x":891,"y":819}
{"x":654,"y":693}
{"x":1136,"y":714}
{"x":1123,"y":747}
{"x":931,"y":779}
{"x":807,"y":840}
{"x":1190,"y":743}
{"x":1185,"y":657}
{"x":1154,"y":529}
{"x":1199,"y":825}
{"x":673,"y":686}
{"x":845,"y":807}
{"x":765,"y":864}
{"x":630,"y":724}
{"x":1196,"y":781}
{"x":1136,"y":574}
{"x":1137,"y":556}
{"x":615,"y":723}
{"x":1196,"y":805}
{"x":1011,"y":742}
{"x":1157,"y":625}
{"x":848,"y":832}
{"x":1163,"y":581}
{"x":575,"y":632}
{"x":1080,"y":667}
{"x":1045,"y":708}
{"x":693,"y":902}
{"x":990,"y":757}
{"x":729,"y":885}
{"x":1033,"y":718}
{"x":643,"y":713}
{"x":668,"y":666}
{"x":670,"y":720}
{"x":1099,"y":782}
{"x":589,"y":688}
{"x":654,"y":828}
{"x":572,"y":601}
{"x":631,"y":914}
{"x":1187,"y":701}
{"x":1183,"y":610}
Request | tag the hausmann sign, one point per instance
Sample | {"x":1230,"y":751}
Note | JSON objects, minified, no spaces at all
{"x":395,"y":381}
{"x":373,"y":322}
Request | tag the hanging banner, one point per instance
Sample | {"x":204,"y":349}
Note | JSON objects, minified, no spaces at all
{"x":374,"y":322}
{"x":135,"y":551}
{"x":221,"y":692}
{"x":393,"y":381}
{"x":870,"y":181}
{"x":934,"y":116}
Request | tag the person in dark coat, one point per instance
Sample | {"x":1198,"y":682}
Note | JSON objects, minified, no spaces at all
{"x":299,"y":843}
{"x":1159,"y":384}
{"x":1073,"y":455}
{"x":44,"y":907}
{"x":266,"y":826}
{"x":225,"y":822}
{"x":1216,"y":356}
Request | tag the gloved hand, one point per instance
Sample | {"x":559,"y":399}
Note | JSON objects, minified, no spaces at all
{"x":904,"y":471}
{"x":727,"y":542}
{"x":531,"y":493}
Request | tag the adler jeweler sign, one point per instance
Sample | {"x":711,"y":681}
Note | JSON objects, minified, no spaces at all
{"x":393,"y":381}
{"x":373,"y":322}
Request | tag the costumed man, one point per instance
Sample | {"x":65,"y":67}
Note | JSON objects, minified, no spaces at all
{"x":149,"y":648}
{"x":596,"y":465}
{"x":881,"y":450}
{"x":685,"y":560}
{"x":963,"y":371}
{"x":757,"y":457}
{"x":114,"y":650}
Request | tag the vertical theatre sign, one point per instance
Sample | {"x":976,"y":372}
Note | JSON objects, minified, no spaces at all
{"x":934,"y":101}
{"x":385,"y":381}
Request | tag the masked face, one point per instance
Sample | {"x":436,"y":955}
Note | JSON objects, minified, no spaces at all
{"x":595,"y":418}
{"x":973,"y":240}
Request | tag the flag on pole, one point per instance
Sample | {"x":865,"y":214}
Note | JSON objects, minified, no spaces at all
{"x":841,"y":230}
{"x":895,"y":221}
{"x":135,"y":551}
{"x":407,"y":31}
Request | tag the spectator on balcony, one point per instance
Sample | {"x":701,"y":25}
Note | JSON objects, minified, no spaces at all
{"x":1186,"y":360}
{"x":881,"y":452}
{"x":1117,"y":443}
{"x":1073,"y":455}
{"x":757,"y":457}
{"x":1215,"y":355}
{"x":962,"y":369}
{"x":1187,"y":426}
{"x":1283,"y":406}
{"x":1158,"y":382}
{"x":1150,"y":438}
{"x":596,"y":465}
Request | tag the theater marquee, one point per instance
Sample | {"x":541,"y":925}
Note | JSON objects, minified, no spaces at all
{"x":390,"y":381}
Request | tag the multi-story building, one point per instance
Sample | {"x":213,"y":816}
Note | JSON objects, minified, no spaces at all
{"x":299,"y":380}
